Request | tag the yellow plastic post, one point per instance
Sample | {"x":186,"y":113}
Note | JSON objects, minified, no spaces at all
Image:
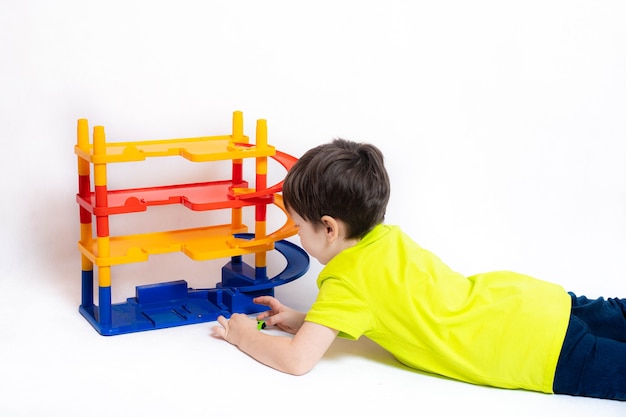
{"x":261,"y":133}
{"x":237,"y":127}
{"x":100,"y":181}
{"x":260,"y":227}
{"x":84,"y":190}
{"x":83,"y":143}
{"x":102,"y":227}
{"x":237,"y":137}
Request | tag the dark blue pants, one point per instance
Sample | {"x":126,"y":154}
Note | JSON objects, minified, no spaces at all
{"x":593,"y":358}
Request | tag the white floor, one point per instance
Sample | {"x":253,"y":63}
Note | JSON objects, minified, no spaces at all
{"x":52,"y":362}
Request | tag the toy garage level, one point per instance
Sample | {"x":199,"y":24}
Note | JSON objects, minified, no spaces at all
{"x":168,"y":304}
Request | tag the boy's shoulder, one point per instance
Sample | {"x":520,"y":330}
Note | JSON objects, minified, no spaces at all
{"x":382,"y":239}
{"x":385,"y":231}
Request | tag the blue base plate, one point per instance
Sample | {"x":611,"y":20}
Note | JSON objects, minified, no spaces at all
{"x":169,"y":304}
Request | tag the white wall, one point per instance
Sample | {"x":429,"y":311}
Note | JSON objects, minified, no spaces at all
{"x":503,"y":123}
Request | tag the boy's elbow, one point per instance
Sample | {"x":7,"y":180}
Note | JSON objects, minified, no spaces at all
{"x":299,"y":371}
{"x":299,"y":367}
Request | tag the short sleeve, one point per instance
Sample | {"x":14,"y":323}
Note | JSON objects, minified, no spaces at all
{"x":339,"y":307}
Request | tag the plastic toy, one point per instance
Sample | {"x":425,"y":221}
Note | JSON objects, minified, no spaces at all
{"x":168,"y":304}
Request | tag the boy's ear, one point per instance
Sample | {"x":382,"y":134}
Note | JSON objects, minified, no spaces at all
{"x":331,"y":228}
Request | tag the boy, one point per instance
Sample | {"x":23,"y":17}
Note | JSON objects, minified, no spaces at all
{"x":500,"y":329}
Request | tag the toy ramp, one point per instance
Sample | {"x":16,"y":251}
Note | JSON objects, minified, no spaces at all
{"x":168,"y":304}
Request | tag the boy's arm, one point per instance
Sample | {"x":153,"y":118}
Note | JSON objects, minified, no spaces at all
{"x":295,"y":355}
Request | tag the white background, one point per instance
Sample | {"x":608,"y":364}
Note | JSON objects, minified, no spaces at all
{"x":503,"y":126}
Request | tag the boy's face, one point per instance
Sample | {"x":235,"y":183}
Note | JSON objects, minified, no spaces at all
{"x":312,"y":239}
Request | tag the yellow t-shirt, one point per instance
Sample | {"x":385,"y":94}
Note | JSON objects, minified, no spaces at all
{"x":501,"y":329}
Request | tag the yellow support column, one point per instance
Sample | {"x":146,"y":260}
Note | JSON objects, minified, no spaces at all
{"x":84,"y":191}
{"x":102,"y":227}
{"x":260,"y":227}
{"x":237,"y":137}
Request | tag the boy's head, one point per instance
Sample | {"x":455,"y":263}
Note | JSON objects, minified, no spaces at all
{"x":342,"y":179}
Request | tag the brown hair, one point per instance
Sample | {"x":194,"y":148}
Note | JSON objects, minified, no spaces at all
{"x":342,"y":179}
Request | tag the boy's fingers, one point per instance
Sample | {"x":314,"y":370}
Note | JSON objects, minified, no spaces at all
{"x":218,"y":331}
{"x":223,"y":321}
{"x":274,"y":319}
{"x":265,"y":300}
{"x":264,"y":315}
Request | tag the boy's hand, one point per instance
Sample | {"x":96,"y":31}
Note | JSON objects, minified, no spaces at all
{"x":283,"y":317}
{"x":295,"y":355}
{"x":234,"y":330}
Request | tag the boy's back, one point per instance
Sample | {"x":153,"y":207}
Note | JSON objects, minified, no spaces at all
{"x":502,"y":329}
